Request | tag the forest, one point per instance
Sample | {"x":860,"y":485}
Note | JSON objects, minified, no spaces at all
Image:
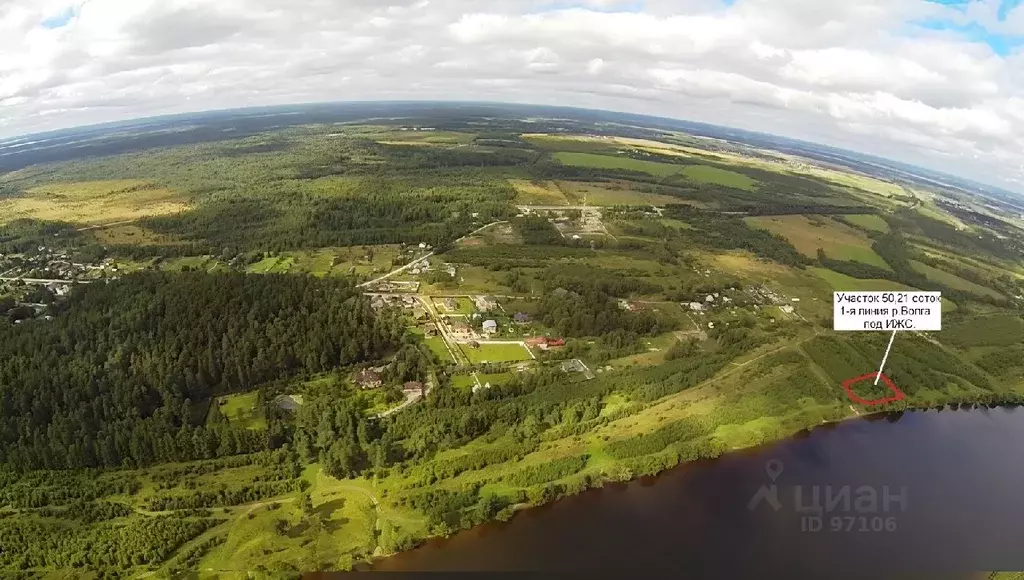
{"x":124,"y":371}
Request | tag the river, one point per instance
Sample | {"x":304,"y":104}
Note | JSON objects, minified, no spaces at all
{"x":948,"y":490}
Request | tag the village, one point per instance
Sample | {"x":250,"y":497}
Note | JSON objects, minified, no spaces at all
{"x":481,"y":339}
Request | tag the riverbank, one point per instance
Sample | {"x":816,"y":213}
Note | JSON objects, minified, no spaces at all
{"x":695,"y":519}
{"x":708,"y":400}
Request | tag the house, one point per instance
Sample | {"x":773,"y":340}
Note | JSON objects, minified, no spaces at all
{"x":521,"y":317}
{"x":538,"y":341}
{"x":490,"y":327}
{"x":368,"y":379}
{"x":696,"y":306}
{"x":413,"y":387}
{"x":461,"y":330}
{"x":429,"y":330}
{"x":786,"y":308}
{"x":709,"y":299}
{"x":555,"y":342}
{"x":486,"y":303}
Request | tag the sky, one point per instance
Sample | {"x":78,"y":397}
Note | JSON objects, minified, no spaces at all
{"x":938,"y":83}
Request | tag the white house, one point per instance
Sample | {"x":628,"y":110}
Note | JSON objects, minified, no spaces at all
{"x":490,"y":327}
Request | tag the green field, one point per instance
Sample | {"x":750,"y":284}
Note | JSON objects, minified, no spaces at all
{"x":241,"y":409}
{"x":981,"y":331}
{"x":953,"y":281}
{"x":611,"y":194}
{"x":93,"y":202}
{"x":708,"y":174}
{"x":437,"y":346}
{"x":868,"y":221}
{"x":538,"y":192}
{"x":840,"y":242}
{"x":701,"y":173}
{"x":623,"y":162}
{"x":463,"y":381}
{"x":844,"y":283}
{"x":494,"y":353}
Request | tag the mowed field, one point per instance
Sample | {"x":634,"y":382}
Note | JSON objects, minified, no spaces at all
{"x":495,"y":353}
{"x":538,"y":192}
{"x":611,"y":194}
{"x":702,"y":173}
{"x":953,"y":281}
{"x":839,"y":241}
{"x":868,"y":221}
{"x":91,"y":203}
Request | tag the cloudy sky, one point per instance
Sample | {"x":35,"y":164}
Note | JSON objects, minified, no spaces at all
{"x":934,"y":82}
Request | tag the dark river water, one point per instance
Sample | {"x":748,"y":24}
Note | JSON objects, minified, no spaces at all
{"x":933,"y":494}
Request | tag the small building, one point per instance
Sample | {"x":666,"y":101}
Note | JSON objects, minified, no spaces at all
{"x":556,"y":342}
{"x":786,"y":308}
{"x":521,"y":317}
{"x":538,"y":341}
{"x":368,"y":379}
{"x":490,"y":327}
{"x":696,"y":307}
{"x":450,"y":304}
{"x":709,"y":299}
{"x":413,"y":387}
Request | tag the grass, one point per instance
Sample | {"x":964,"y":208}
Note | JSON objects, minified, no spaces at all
{"x":701,"y":173}
{"x":538,"y":192}
{"x":494,"y":378}
{"x":190,"y":262}
{"x":131,"y":234}
{"x":463,"y":305}
{"x":844,"y":283}
{"x":263,"y":266}
{"x":463,"y":381}
{"x":617,"y":162}
{"x":952,"y":280}
{"x":92,"y":203}
{"x":840,"y":242}
{"x":437,"y":346}
{"x":612,"y":193}
{"x":869,"y":222}
{"x":495,"y":353}
{"x":988,"y":331}
{"x":351,"y":529}
{"x":861,"y":182}
{"x":708,"y":174}
{"x":242,"y":410}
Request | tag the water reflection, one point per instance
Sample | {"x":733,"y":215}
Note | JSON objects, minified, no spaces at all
{"x":961,"y":471}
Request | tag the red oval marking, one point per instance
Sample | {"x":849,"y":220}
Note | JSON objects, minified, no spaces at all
{"x":896,"y":396}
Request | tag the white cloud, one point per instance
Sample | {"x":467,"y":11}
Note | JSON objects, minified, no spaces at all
{"x":853,"y":74}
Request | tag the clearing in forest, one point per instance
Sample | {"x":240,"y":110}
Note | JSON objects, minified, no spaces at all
{"x":807,"y":234}
{"x":90,"y":203}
